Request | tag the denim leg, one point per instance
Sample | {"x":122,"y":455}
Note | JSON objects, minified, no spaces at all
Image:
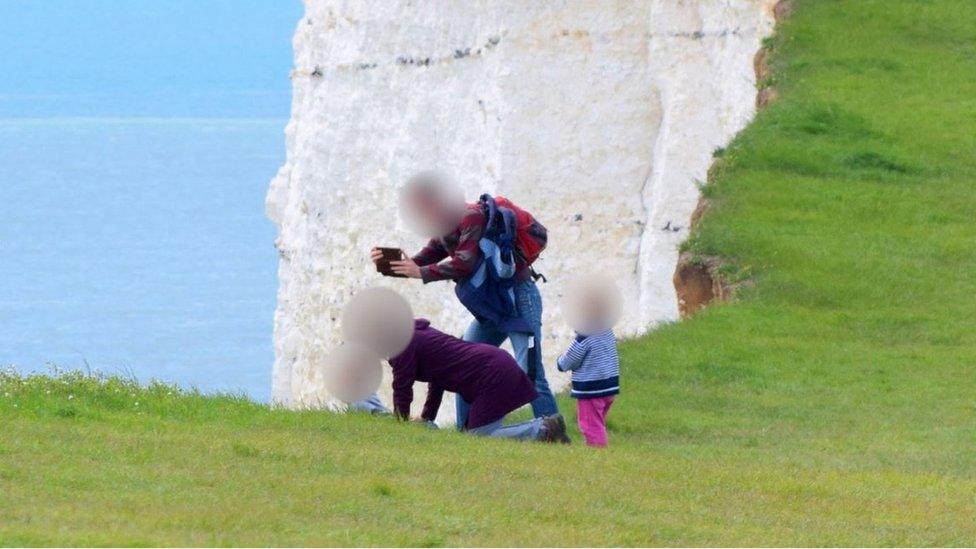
{"x":528,"y":347}
{"x":545,"y":403}
{"x":482,"y":333}
{"x":372,"y":405}
{"x":476,"y":333}
{"x":528,"y":430}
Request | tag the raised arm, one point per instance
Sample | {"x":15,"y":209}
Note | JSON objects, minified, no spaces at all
{"x":431,"y":253}
{"x":462,"y":262}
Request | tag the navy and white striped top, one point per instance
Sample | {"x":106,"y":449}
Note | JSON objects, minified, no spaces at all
{"x":595,"y":365}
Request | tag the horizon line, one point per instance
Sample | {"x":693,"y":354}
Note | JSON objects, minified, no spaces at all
{"x":141,"y":120}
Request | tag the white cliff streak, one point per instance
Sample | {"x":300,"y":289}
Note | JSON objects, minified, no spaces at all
{"x":599,"y":117}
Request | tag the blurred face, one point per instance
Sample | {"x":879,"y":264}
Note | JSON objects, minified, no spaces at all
{"x":380,"y":319}
{"x":431,"y":205}
{"x":427,"y":205}
{"x":592,"y":304}
{"x":595,"y":308}
{"x":352,"y":372}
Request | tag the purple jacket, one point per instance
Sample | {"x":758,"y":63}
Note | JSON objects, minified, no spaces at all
{"x":487,"y":377}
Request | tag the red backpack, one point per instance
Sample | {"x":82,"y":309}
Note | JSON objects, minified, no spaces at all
{"x":531,"y":236}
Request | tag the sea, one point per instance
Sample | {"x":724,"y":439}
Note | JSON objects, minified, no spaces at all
{"x":139,"y":246}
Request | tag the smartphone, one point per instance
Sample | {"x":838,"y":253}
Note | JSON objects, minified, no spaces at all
{"x":389,"y":254}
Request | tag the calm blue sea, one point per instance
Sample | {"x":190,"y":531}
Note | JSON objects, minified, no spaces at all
{"x":140,"y":245}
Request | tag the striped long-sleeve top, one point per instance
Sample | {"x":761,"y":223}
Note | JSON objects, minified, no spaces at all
{"x":595,"y":365}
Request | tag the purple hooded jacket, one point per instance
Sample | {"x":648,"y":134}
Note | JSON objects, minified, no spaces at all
{"x":487,"y":377}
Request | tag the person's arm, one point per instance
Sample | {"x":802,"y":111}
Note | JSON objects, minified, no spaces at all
{"x":435,"y":393}
{"x":404,"y":374}
{"x":431,"y":253}
{"x":573,"y":358}
{"x":465,"y":257}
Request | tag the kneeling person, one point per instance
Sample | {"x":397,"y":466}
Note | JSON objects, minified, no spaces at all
{"x":486,"y":377}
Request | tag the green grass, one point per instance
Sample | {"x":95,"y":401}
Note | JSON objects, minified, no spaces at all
{"x":833,"y":404}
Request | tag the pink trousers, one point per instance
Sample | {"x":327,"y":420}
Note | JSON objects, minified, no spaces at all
{"x":591,"y":414}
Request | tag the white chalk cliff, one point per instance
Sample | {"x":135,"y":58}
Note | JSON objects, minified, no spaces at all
{"x":598,"y":117}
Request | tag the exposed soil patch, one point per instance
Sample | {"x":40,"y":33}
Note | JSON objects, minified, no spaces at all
{"x":697,"y":279}
{"x":765,"y":97}
{"x":783,"y":10}
{"x":700,"y":209}
{"x":760,"y":64}
{"x":694,"y":284}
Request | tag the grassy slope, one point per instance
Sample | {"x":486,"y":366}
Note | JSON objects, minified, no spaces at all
{"x":835,"y":404}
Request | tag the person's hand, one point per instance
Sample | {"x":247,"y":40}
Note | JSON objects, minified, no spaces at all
{"x":376,"y":255}
{"x":406,"y":267}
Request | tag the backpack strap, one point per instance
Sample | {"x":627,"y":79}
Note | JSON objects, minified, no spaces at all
{"x":492,"y":217}
{"x":490,"y":209}
{"x":536,"y":275}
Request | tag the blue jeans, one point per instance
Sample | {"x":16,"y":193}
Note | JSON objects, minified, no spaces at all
{"x":527,"y":347}
{"x":372,"y":405}
{"x":528,"y":430}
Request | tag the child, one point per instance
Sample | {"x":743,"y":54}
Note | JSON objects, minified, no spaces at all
{"x":596,"y":379}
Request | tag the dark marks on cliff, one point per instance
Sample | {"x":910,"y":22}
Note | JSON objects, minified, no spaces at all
{"x":702,"y":34}
{"x":456,"y":54}
{"x":407,"y":60}
{"x":410,"y":60}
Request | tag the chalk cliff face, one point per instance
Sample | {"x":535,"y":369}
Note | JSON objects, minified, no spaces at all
{"x":598,"y":117}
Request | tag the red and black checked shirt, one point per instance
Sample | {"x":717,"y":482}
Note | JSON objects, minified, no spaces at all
{"x":455,"y":255}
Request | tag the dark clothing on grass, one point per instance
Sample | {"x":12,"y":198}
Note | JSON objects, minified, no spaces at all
{"x":485,"y":376}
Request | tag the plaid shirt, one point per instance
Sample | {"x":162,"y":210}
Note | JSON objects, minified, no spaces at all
{"x":454,"y":255}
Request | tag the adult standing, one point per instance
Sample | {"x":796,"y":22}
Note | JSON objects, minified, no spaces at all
{"x":455,"y":255}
